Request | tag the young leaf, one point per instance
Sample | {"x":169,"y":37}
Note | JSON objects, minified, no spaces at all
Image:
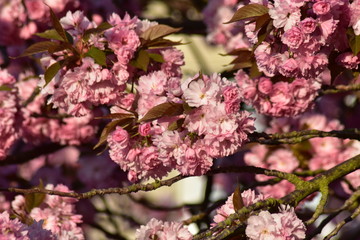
{"x":50,"y":34}
{"x":158,"y":31}
{"x":249,"y":11}
{"x":254,"y":71}
{"x":99,"y":29}
{"x":57,"y":25}
{"x":167,"y":109}
{"x":354,"y":41}
{"x":33,"y":200}
{"x":156,"y":57}
{"x":142,"y":60}
{"x":39,"y":47}
{"x":237,"y":199}
{"x":176,"y":125}
{"x":5,"y":88}
{"x":51,"y":72}
{"x":98,"y":55}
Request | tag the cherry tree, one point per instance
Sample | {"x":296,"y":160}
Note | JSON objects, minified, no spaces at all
{"x":94,"y":101}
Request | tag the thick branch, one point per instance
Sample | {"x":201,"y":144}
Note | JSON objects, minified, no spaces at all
{"x":24,"y":157}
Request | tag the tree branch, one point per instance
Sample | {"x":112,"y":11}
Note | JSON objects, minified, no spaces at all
{"x":300,"y":136}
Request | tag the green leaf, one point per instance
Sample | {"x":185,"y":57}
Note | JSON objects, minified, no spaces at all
{"x":237,"y":199}
{"x":249,"y":11}
{"x":354,"y":41}
{"x":99,"y":29}
{"x":158,"y":31}
{"x":111,"y":127}
{"x":98,"y":55}
{"x":51,"y":72}
{"x":33,"y":200}
{"x":38,"y":48}
{"x":176,"y":125}
{"x":5,"y":88}
{"x":50,"y":34}
{"x":156,"y":57}
{"x":57,"y":25}
{"x":167,"y":109}
{"x":142,"y":60}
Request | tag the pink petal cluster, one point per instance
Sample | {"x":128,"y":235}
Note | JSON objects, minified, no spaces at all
{"x":39,"y":129}
{"x":249,"y":197}
{"x":9,"y":113}
{"x":282,"y":225}
{"x":14,"y":229}
{"x":56,"y":213}
{"x":157,"y":229}
{"x":212,"y":128}
{"x":296,"y":50}
{"x":278,"y":99}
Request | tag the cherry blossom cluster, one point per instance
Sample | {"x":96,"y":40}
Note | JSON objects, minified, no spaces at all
{"x":54,"y":219}
{"x":212,"y":127}
{"x":265,"y":225}
{"x":277,"y":99}
{"x":9,"y":112}
{"x":157,"y":229}
{"x":314,"y":154}
{"x":29,"y":119}
{"x":302,"y":39}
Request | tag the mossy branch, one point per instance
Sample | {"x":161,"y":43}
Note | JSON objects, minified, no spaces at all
{"x":225,"y":228}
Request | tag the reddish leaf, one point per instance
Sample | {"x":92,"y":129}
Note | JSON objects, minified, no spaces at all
{"x":39,"y":47}
{"x":117,"y":116}
{"x":111,"y":127}
{"x":57,"y":25}
{"x":160,"y":43}
{"x":167,"y":109}
{"x":261,"y":21}
{"x":99,"y":29}
{"x":242,"y":65}
{"x":237,"y":199}
{"x":249,"y":11}
{"x":158,"y":31}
